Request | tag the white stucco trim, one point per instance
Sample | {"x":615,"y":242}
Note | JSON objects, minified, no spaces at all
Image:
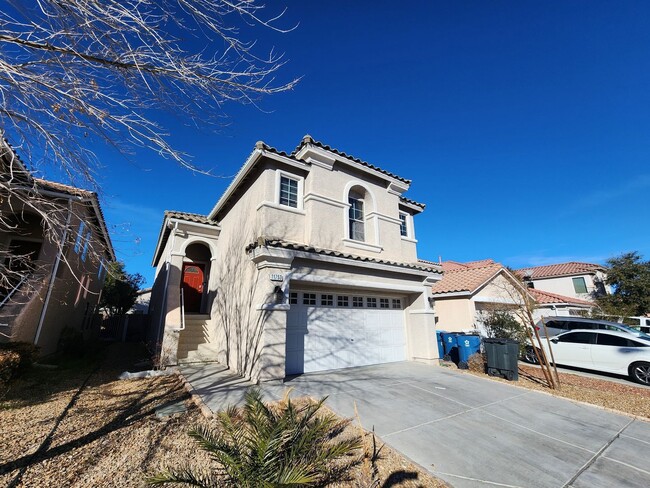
{"x":345,"y":283}
{"x":194,"y":239}
{"x":323,"y":199}
{"x":277,"y":206}
{"x":362,"y":245}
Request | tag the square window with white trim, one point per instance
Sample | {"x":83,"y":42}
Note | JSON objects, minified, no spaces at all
{"x":397,"y":303}
{"x":293,"y":298}
{"x":371,"y":302}
{"x":309,"y":298}
{"x":342,"y":301}
{"x":384,"y":303}
{"x":357,"y":302}
{"x":403,"y":224}
{"x":289,"y":189}
{"x":327,"y":300}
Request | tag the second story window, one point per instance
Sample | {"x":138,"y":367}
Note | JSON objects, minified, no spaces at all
{"x":403,"y":226}
{"x":78,"y":243}
{"x":288,"y":192}
{"x":579,"y":285}
{"x":356,"y":221}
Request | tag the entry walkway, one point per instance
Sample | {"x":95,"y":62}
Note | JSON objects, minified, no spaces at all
{"x":475,"y":432}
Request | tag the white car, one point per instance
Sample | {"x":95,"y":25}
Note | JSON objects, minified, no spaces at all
{"x":603,"y":350}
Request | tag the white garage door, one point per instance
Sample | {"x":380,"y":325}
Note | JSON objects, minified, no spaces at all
{"x":332,"y":331}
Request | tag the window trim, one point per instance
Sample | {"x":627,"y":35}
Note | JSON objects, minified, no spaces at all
{"x":279,"y":174}
{"x":404,"y":225}
{"x":584,"y":282}
{"x":363,"y":220}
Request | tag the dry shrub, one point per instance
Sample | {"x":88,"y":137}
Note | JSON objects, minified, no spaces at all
{"x":477,"y":363}
{"x":9,"y":364}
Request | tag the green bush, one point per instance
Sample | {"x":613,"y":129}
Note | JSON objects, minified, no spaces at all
{"x":268,"y":446}
{"x":71,"y":342}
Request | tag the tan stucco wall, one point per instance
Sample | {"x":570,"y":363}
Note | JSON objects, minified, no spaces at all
{"x":454,"y":314}
{"x":564,"y":286}
{"x":69,"y":305}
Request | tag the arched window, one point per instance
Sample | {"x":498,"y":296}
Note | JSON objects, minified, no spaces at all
{"x":356,"y":218}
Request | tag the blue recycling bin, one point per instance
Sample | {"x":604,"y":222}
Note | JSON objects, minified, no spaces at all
{"x":450,"y":340}
{"x":441,"y":343}
{"x":467,"y":345}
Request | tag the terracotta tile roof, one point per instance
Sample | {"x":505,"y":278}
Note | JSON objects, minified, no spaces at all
{"x":412,"y":202}
{"x":561,"y":269}
{"x":309,"y":140}
{"x":60,"y":187}
{"x":545,"y":297}
{"x":328,"y":252}
{"x":465,"y":279}
{"x":456,"y":266}
{"x":190,"y":217}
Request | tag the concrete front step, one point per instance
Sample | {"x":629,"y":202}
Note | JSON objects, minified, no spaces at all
{"x":204,"y":353}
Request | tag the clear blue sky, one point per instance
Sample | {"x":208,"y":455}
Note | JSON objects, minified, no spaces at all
{"x":525,"y":126}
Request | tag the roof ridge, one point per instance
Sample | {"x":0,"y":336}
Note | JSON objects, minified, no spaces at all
{"x":307,"y":139}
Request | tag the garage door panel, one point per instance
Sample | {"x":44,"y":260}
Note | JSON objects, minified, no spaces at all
{"x":323,"y":338}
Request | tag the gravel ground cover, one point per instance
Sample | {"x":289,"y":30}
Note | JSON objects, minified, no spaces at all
{"x":628,"y":399}
{"x":78,"y":426}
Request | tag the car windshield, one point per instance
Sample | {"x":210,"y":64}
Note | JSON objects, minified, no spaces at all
{"x":637,"y":333}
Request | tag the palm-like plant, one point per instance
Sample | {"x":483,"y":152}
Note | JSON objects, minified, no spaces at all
{"x":268,"y":446}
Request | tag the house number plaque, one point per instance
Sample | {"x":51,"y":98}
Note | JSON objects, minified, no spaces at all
{"x":277,"y":277}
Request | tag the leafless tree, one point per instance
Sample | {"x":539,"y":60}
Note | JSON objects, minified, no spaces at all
{"x":73,"y":71}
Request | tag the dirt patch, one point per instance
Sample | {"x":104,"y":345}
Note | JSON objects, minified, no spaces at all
{"x":79,"y":426}
{"x":629,"y":399}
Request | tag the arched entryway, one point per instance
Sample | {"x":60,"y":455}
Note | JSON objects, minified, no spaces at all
{"x":195,"y":278}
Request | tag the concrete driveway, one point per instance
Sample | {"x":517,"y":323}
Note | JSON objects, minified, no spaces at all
{"x":475,"y":432}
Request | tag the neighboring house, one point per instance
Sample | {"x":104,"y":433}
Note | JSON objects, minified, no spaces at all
{"x":54,"y":248}
{"x":141,"y":305}
{"x":307,"y":262}
{"x":469,"y":289}
{"x":584,"y":281}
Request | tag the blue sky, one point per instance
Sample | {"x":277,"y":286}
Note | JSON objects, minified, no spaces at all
{"x":523,"y":125}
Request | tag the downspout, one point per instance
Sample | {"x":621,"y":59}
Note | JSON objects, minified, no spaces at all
{"x":50,"y":285}
{"x":163,"y":310}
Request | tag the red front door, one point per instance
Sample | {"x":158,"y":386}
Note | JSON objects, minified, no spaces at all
{"x":192,"y":286}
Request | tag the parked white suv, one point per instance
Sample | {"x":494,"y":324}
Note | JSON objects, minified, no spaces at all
{"x":603,"y":350}
{"x":557,"y":325}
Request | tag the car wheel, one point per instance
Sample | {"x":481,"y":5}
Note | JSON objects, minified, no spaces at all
{"x":640,"y":372}
{"x":529,"y":356}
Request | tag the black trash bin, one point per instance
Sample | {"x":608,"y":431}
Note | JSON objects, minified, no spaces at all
{"x":502,"y":357}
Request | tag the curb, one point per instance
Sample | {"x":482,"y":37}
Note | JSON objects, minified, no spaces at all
{"x":195,"y":397}
{"x":579,"y":402}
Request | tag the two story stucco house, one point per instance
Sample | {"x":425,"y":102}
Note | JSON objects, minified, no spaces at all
{"x":307,"y":262}
{"x":55,"y":248}
{"x":584,"y":281}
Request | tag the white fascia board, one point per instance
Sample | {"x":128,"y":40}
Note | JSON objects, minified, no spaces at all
{"x":321,"y":153}
{"x":344,"y":283}
{"x":189,"y":223}
{"x":410,"y":206}
{"x":500,"y":300}
{"x":250,"y":163}
{"x":452,"y":294}
{"x":360,"y":264}
{"x":102,"y":225}
{"x":163,"y":229}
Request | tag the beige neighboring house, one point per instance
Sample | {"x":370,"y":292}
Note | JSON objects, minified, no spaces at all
{"x":48,"y":286}
{"x":468,"y":289}
{"x":584,"y":281}
{"x":307,"y":262}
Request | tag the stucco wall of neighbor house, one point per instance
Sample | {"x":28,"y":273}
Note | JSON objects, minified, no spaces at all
{"x":70,"y":304}
{"x":454,"y":314}
{"x":563,"y":285}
